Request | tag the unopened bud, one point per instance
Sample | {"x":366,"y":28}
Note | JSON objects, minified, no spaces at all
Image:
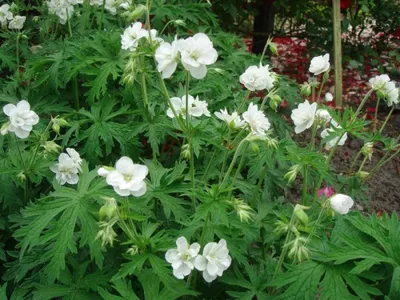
{"x":136,"y":13}
{"x":4,"y":128}
{"x":51,"y":147}
{"x":326,"y":76}
{"x":305,"y":90}
{"x":185,"y":153}
{"x":273,"y":48}
{"x":21,"y":176}
{"x":254,"y":147}
{"x":292,"y":174}
{"x":363,"y":174}
{"x":368,"y":149}
{"x":300,"y":214}
{"x":180,"y":22}
{"x":275,"y":102}
{"x":109,"y":209}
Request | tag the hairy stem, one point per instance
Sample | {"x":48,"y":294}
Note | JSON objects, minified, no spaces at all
{"x":386,"y":120}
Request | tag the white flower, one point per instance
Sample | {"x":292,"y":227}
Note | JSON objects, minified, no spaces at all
{"x":182,"y":258}
{"x":62,"y":9}
{"x":328,"y":97}
{"x":323,"y":115}
{"x":5,"y":14}
{"x":74,"y":2}
{"x":257,"y":121}
{"x":391,"y":93}
{"x":21,"y":117}
{"x":68,"y":167}
{"x":232,"y":120}
{"x":131,"y":36}
{"x":196,"y":108}
{"x":125,"y":4}
{"x":214,"y":261}
{"x":128,"y":178}
{"x":110,"y":5}
{"x":17,"y":22}
{"x":319,"y":64}
{"x":341,"y":203}
{"x":167,"y":56}
{"x":378,"y":82}
{"x":331,"y":143}
{"x":257,"y":78}
{"x":96,"y":2}
{"x":303,"y":116}
{"x":197,"y":52}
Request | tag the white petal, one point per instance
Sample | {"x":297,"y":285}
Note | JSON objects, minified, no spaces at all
{"x":200,"y":263}
{"x":182,"y":244}
{"x":199,"y":72}
{"x":8,"y":108}
{"x":172,"y":255}
{"x":124,"y":165}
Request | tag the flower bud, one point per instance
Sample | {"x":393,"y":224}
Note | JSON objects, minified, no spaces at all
{"x":133,"y":250}
{"x":275,"y":101}
{"x":363,"y":174}
{"x":180,"y":22}
{"x":254,"y":147}
{"x":185,"y":153}
{"x":305,"y":90}
{"x":21,"y":176}
{"x":298,"y":250}
{"x":300,"y":214}
{"x":51,"y":147}
{"x":243,"y":210}
{"x":109,"y":209}
{"x":381,"y":94}
{"x":273,"y":48}
{"x":326,"y":76}
{"x":139,"y":11}
{"x":271,"y":143}
{"x":281,"y":227}
{"x":56,"y":128}
{"x":368,"y":149}
{"x":4,"y":128}
{"x":107,"y":234}
{"x":292,"y":174}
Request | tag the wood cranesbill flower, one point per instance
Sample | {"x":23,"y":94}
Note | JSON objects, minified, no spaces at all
{"x":167,"y":57}
{"x":332,"y":142}
{"x":17,"y":22}
{"x":257,"y":78}
{"x":257,"y":121}
{"x":68,"y":167}
{"x":21,"y":119}
{"x":214,"y":261}
{"x":128,"y":178}
{"x":197,"y":52}
{"x":304,"y":116}
{"x":379,"y":82}
{"x":182,"y":258}
{"x":232,"y":120}
{"x":195,"y":107}
{"x":319,"y":64}
{"x":341,"y":203}
{"x":5,"y":14}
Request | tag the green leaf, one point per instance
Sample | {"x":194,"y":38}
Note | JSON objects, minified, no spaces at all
{"x":394,"y":292}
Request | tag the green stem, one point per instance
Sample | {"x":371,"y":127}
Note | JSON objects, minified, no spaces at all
{"x":226,"y":154}
{"x":239,"y":168}
{"x":382,"y":162}
{"x":69,"y":23}
{"x":76,"y":93}
{"x":17,"y":54}
{"x":313,"y":134}
{"x":102,"y":15}
{"x":313,"y":93}
{"x":204,"y":179}
{"x":386,"y":120}
{"x":19,"y":153}
{"x":320,"y":89}
{"x":235,"y":156}
{"x":244,"y":100}
{"x":314,"y":228}
{"x":187,"y":98}
{"x":305,"y":185}
{"x":265,"y":49}
{"x":192,"y":178}
{"x":363,"y":163}
{"x":354,"y":161}
{"x":143,"y":83}
{"x":259,"y":184}
{"x":376,"y":114}
{"x":86,"y":8}
{"x":285,"y":247}
{"x":362,"y":104}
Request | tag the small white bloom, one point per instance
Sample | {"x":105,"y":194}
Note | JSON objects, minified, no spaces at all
{"x":110,"y":5}
{"x":391,"y":93}
{"x":258,"y":122}
{"x":319,"y":64}
{"x":328,"y":97}
{"x":75,"y":2}
{"x":257,"y":78}
{"x":331,"y":143}
{"x":341,"y":203}
{"x":128,"y":178}
{"x":125,"y":4}
{"x":104,"y":171}
{"x":67,"y":168}
{"x":21,"y":117}
{"x":17,"y":22}
{"x":304,"y":116}
{"x":195,"y":108}
{"x":378,"y":82}
{"x":197,"y":52}
{"x":167,"y":57}
{"x":323,"y":115}
{"x":182,"y":258}
{"x":62,"y":9}
{"x":214,"y":261}
{"x":233,"y":120}
{"x":5,"y":14}
{"x":131,"y":36}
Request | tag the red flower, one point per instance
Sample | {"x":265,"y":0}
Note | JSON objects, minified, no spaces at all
{"x":345,"y":4}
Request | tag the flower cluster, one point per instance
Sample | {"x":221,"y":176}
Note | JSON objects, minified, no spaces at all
{"x":385,"y":87}
{"x":257,"y":78}
{"x":195,"y":53}
{"x":213,"y":262}
{"x":194,"y":107}
{"x":21,"y":119}
{"x":68,"y":167}
{"x":134,"y":33}
{"x":15,"y":22}
{"x":127,"y":178}
{"x":63,"y":9}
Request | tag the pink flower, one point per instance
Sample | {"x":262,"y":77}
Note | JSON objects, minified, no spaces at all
{"x":327,"y":192}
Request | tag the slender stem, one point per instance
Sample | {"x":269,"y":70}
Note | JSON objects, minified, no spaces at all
{"x":235,"y":156}
{"x":387,"y":119}
{"x":143,"y":83}
{"x":362,"y":104}
{"x":19,"y":153}
{"x":187,"y":98}
{"x":313,"y":134}
{"x":102,"y":15}
{"x":86,"y":7}
{"x":265,"y":99}
{"x":265,"y":49}
{"x":165,"y":27}
{"x":305,"y":185}
{"x":208,"y":167}
{"x":76,"y":93}
{"x":192,"y":179}
{"x":239,"y":168}
{"x":376,"y":114}
{"x":354,"y":161}
{"x":363,"y":163}
{"x":244,"y":100}
{"x":225,"y":154}
{"x":259,"y":183}
{"x":17,"y":54}
{"x":314,"y":228}
{"x":165,"y":92}
{"x":320,"y":89}
{"x":285,"y":248}
{"x":382,"y":162}
{"x":313,"y":93}
{"x":69,"y":23}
